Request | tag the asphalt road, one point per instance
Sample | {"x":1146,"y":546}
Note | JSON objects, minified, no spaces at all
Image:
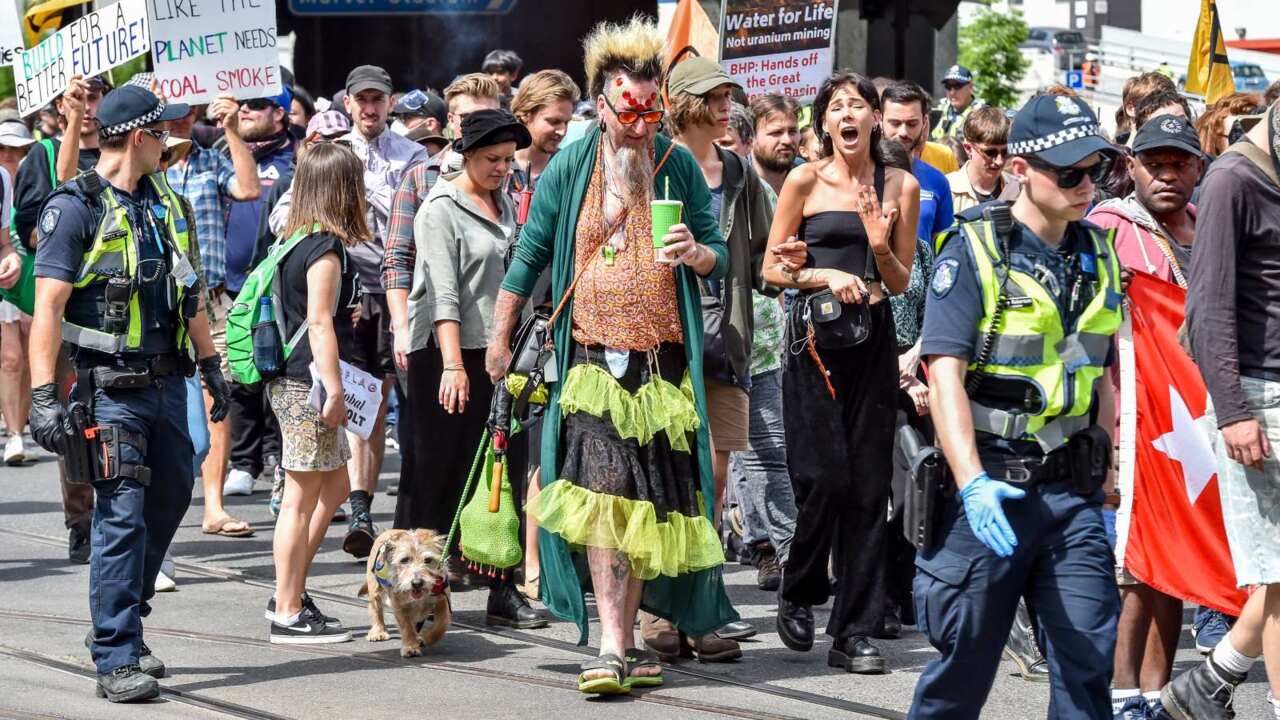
{"x":213,"y":638}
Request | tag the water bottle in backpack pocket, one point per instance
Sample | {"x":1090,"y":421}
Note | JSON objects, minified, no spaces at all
{"x":268,"y":348}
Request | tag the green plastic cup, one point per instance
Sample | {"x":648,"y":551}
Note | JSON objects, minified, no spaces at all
{"x":665,"y":213}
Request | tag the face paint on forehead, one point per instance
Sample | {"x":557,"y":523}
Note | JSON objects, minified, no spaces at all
{"x":624,"y":96}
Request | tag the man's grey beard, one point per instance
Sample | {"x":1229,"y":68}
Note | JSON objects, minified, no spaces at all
{"x":633,"y":170}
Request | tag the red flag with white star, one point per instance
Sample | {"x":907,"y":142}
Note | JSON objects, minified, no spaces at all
{"x":1176,"y":541}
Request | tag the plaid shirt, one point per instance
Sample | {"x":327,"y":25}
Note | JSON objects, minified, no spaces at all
{"x":205,"y":181}
{"x":400,"y":253}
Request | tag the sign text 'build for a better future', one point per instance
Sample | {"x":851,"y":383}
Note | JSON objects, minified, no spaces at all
{"x":89,"y":46}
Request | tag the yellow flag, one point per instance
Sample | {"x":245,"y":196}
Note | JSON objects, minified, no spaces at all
{"x":44,"y":17}
{"x":1208,"y":72}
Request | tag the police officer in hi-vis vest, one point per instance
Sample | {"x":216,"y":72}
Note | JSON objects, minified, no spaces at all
{"x":1024,"y":302}
{"x":117,"y":280}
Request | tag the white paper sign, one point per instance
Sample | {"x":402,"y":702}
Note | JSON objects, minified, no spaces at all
{"x":362,"y":391}
{"x":778,"y":46}
{"x":89,"y":46}
{"x":10,"y":31}
{"x":201,"y":48}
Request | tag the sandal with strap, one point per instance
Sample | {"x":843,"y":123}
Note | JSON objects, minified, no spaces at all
{"x":642,"y":659}
{"x":609,"y":685}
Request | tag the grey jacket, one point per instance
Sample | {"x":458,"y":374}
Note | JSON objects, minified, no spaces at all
{"x":746,"y":216}
{"x":459,"y":265}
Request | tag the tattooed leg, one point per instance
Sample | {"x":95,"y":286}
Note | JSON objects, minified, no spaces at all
{"x":610,"y":577}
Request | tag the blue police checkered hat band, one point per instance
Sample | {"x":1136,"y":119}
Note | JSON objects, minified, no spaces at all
{"x":138,"y":122}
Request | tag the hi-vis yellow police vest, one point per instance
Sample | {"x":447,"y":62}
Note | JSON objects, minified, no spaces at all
{"x":114,"y":253}
{"x":1032,"y":344}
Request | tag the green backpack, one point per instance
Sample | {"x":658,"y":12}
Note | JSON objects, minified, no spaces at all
{"x":245,"y":322}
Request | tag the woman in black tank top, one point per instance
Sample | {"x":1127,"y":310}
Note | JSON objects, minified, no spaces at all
{"x":856,"y":222}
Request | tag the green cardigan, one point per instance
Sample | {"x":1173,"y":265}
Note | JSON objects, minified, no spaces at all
{"x":696,"y":602}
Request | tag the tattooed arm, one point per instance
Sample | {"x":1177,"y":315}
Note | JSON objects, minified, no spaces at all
{"x":506,"y":313}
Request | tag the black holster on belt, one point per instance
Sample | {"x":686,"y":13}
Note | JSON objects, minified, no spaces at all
{"x":927,"y":488}
{"x":94,"y":452}
{"x":1089,"y":454}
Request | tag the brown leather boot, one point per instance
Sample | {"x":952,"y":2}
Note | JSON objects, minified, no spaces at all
{"x":712,"y":648}
{"x":661,"y":637}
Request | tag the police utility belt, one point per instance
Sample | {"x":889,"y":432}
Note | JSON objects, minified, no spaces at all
{"x":95,"y":451}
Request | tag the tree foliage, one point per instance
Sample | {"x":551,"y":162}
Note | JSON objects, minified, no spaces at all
{"x":989,"y":48}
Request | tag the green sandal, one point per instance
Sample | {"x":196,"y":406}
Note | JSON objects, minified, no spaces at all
{"x":638,"y":659}
{"x":614,"y":685}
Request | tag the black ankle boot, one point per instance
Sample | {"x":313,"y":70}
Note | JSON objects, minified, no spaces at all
{"x":127,"y":684}
{"x":795,"y":624}
{"x":507,"y":607}
{"x":1204,"y":692}
{"x":856,"y":655}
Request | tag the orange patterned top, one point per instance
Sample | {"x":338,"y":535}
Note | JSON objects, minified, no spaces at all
{"x":631,"y":303}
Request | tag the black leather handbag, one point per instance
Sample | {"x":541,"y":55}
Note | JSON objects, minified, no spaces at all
{"x":835,"y":324}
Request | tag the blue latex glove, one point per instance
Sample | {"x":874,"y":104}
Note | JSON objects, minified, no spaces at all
{"x":982,"y":499}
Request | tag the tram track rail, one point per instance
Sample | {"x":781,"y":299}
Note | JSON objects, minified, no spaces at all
{"x":652,"y":696}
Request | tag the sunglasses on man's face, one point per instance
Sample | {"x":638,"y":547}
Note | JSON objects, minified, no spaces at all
{"x":258,"y":104}
{"x":629,"y":117}
{"x":992,"y":153}
{"x":161,"y":135}
{"x":953,"y":86}
{"x":1071,"y":177}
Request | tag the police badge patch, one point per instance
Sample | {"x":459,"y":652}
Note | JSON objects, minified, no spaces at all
{"x":944,"y":277}
{"x":49,"y":220}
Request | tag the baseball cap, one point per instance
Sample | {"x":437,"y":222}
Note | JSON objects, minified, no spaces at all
{"x":1057,"y":130}
{"x":368,"y":77}
{"x":329,"y":123}
{"x":1167,"y":131}
{"x":958,"y":73}
{"x":425,"y":103}
{"x":14,"y":134}
{"x":131,"y":107}
{"x":284,"y":100}
{"x":698,"y":76}
{"x":490,"y":127}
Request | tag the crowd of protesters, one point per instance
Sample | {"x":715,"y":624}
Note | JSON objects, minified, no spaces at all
{"x":446,"y":215}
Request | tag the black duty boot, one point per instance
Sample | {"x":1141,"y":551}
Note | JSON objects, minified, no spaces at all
{"x":148,"y":663}
{"x":1023,"y":650}
{"x":127,"y":684}
{"x":361,"y":532}
{"x":795,"y":624}
{"x":856,"y":655}
{"x":1203,"y":693}
{"x":507,"y":607}
{"x":78,"y":545}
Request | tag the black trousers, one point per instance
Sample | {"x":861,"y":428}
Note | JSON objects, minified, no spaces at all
{"x":255,"y":434}
{"x":443,"y":446}
{"x":840,"y":453}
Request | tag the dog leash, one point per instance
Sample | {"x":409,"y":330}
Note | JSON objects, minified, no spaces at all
{"x":466,"y":491}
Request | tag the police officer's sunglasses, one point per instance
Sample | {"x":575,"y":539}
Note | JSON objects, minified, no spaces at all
{"x":161,"y":135}
{"x":1070,"y":177}
{"x":629,"y":117}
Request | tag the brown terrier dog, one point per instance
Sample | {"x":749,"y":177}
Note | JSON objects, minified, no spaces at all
{"x":407,"y":569}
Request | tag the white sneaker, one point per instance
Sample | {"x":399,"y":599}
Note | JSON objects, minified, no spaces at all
{"x":14,"y":452}
{"x":238,"y":482}
{"x":165,"y":580}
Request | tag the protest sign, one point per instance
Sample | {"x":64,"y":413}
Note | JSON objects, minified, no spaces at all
{"x":363,"y":395}
{"x":201,"y":48}
{"x":89,"y":46}
{"x":10,"y":31}
{"x":778,"y":46}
